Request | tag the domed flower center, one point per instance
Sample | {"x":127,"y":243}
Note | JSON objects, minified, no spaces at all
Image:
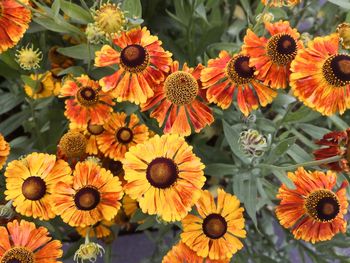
{"x":124,"y":135}
{"x":87,"y":198}
{"x":73,"y":144}
{"x":134,"y":58}
{"x":238,"y":70}
{"x":282,"y":48}
{"x":336,"y":70}
{"x":116,"y":167}
{"x":162,"y":172}
{"x":18,"y":255}
{"x":322,"y":205}
{"x":214,"y":226}
{"x":34,"y":188}
{"x":95,"y":129}
{"x":110,"y":19}
{"x":87,"y":96}
{"x":181,"y":88}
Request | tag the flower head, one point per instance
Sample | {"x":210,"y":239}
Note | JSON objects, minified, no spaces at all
{"x":252,"y":143}
{"x":88,"y":251}
{"x":93,"y":34}
{"x":28,"y":58}
{"x":46,"y":86}
{"x":4,"y":151}
{"x":313,"y":211}
{"x":344,"y":35}
{"x":280,"y":3}
{"x":73,"y":144}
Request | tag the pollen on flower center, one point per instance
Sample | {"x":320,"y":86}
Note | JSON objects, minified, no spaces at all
{"x":336,"y":70}
{"x":110,"y":19}
{"x":134,"y":58}
{"x":33,"y":188}
{"x":87,"y":198}
{"x":95,"y":129}
{"x":87,"y":96}
{"x":181,"y":88}
{"x":73,"y":144}
{"x":162,"y":172}
{"x":322,"y":205}
{"x":282,"y":48}
{"x":214,"y":226}
{"x":18,"y":255}
{"x":124,"y":135}
{"x":238,"y":70}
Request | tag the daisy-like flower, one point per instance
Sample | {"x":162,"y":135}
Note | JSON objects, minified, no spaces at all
{"x":280,"y":3}
{"x":332,"y":144}
{"x":100,"y":229}
{"x":226,"y":74}
{"x":30,"y":183}
{"x":313,"y":211}
{"x":272,"y":57}
{"x":87,"y":103}
{"x":142,"y":63}
{"x":110,"y":19}
{"x":321,"y":76}
{"x":92,"y":195}
{"x":28,"y":58}
{"x":164,"y":176}
{"x":214,"y":233}
{"x":181,"y":253}
{"x":177,"y":101}
{"x":23,"y":242}
{"x":47,"y":86}
{"x":120,"y":134}
{"x":4,"y":151}
{"x":14,"y":21}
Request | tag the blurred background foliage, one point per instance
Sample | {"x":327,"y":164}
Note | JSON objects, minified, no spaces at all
{"x":194,"y":31}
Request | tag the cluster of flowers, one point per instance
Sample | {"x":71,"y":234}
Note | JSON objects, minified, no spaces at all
{"x":106,"y":155}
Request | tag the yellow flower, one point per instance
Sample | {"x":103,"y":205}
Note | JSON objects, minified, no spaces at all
{"x":344,"y":34}
{"x":4,"y":151}
{"x":47,"y":85}
{"x":28,"y":58}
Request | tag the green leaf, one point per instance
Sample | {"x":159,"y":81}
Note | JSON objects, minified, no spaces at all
{"x":342,"y":3}
{"x":303,"y":114}
{"x":8,"y":101}
{"x":75,"y":71}
{"x":280,"y":174}
{"x":57,"y":25}
{"x":280,"y":149}
{"x":29,"y":81}
{"x":250,"y":199}
{"x":313,"y":130}
{"x":56,"y":6}
{"x":220,"y":169}
{"x":138,"y":216}
{"x":133,"y":8}
{"x":149,"y":222}
{"x":339,"y":122}
{"x":81,"y":51}
{"x":12,"y":123}
{"x":76,"y":12}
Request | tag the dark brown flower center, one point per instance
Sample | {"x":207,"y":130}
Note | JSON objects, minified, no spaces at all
{"x":134,"y":58}
{"x":18,"y":255}
{"x":95,"y":129}
{"x":322,"y":205}
{"x":162,"y":172}
{"x":336,"y":70}
{"x":282,"y":48}
{"x":238,"y":70}
{"x":124,"y":135}
{"x":87,"y":198}
{"x":214,"y":226}
{"x":87,"y":96}
{"x":34,"y":188}
{"x":181,"y":88}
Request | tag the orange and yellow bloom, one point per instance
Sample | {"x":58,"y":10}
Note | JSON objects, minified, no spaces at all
{"x":272,"y":56}
{"x":87,"y":103}
{"x":226,"y":74}
{"x":313,"y":211}
{"x":4,"y":151}
{"x":321,"y":76}
{"x":120,"y":134}
{"x":90,"y":196}
{"x":100,"y":229}
{"x":30,"y":183}
{"x":23,"y":242}
{"x":46,"y":86}
{"x":142,"y":63}
{"x":178,"y":103}
{"x":215,"y":231}
{"x":14,"y":21}
{"x":164,"y":176}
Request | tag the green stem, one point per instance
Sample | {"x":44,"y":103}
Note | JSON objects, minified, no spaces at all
{"x":305,"y":164}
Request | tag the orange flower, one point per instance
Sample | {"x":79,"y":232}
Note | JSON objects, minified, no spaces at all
{"x":92,"y":195}
{"x":4,"y":151}
{"x":335,"y":143}
{"x":226,"y":74}
{"x":86,"y":104}
{"x":321,"y":76}
{"x":142,"y":63}
{"x":313,"y":211}
{"x":23,"y":242}
{"x":119,"y":135}
{"x":100,"y":229}
{"x":181,"y":253}
{"x":272,"y":57}
{"x":14,"y":21}
{"x":178,"y":103}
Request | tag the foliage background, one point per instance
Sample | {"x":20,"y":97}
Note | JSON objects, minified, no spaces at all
{"x":194,"y":31}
